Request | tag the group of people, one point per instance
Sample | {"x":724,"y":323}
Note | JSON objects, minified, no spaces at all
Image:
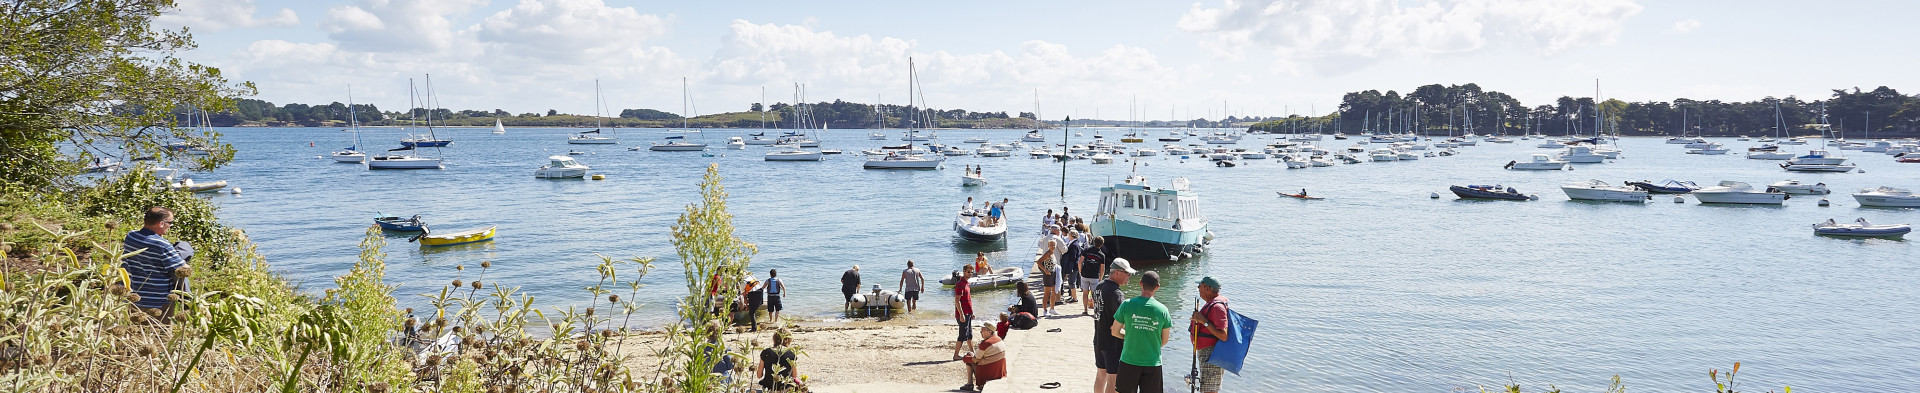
{"x":1129,"y":334}
{"x":1070,"y":260}
{"x":987,"y":214}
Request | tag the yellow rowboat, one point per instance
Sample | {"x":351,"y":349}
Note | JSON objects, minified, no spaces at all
{"x":455,"y":238}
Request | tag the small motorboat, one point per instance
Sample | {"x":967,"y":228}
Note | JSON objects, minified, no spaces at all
{"x":877,"y":300}
{"x":1907,"y":157}
{"x":1860,"y":228}
{"x":397,"y":224}
{"x":1668,"y":186}
{"x":1540,"y":162}
{"x":561,"y":167}
{"x":1796,"y":187}
{"x":1596,"y":190}
{"x":1301,"y":195}
{"x":972,"y":225}
{"x":1887,"y":197}
{"x":972,"y":179}
{"x":1733,"y":192}
{"x":1818,"y":167}
{"x":189,"y":186}
{"x":429,"y":239}
{"x":1002,"y":277}
{"x":1488,"y":192}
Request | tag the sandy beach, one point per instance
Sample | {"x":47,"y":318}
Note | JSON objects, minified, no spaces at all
{"x":916,"y":355}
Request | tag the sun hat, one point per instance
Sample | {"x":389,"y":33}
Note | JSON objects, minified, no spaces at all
{"x":1120,"y":264}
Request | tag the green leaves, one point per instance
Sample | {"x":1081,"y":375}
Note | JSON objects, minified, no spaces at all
{"x":97,"y":75}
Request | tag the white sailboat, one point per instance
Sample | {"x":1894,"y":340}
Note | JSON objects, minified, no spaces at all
{"x":679,"y":142}
{"x":908,"y":158}
{"x":351,"y":154}
{"x":593,"y":137}
{"x":401,"y":158}
{"x":498,"y":129}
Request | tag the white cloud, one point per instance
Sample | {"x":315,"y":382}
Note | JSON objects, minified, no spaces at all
{"x":858,"y":67}
{"x":551,"y":50}
{"x":401,"y":26}
{"x":1340,"y":36}
{"x":1683,"y":27}
{"x":568,"y":30}
{"x":217,"y":15}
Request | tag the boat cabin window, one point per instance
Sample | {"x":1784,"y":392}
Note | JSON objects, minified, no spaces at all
{"x":1127,"y":201}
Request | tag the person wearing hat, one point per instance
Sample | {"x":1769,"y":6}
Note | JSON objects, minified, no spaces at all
{"x":756,"y":295}
{"x":1107,"y":346}
{"x":1144,"y":326}
{"x":1209,"y":326}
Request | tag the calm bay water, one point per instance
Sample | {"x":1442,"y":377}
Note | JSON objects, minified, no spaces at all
{"x":1377,"y":288}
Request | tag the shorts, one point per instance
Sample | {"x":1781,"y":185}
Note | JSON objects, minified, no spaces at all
{"x":773,"y":303}
{"x":1133,"y":378}
{"x":1089,"y":283}
{"x":913,"y":296}
{"x":1209,"y":373}
{"x":1107,"y":357}
{"x":966,"y":329}
{"x":1050,"y":280}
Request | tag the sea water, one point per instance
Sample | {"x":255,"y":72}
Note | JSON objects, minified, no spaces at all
{"x":1376,"y":288}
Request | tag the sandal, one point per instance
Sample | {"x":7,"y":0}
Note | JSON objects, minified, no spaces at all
{"x":1053,"y":330}
{"x":1050,"y":385}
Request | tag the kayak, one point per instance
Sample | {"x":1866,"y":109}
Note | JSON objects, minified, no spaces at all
{"x":1002,"y":277}
{"x":1301,"y":196}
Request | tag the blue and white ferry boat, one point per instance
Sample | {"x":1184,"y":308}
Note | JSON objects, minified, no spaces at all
{"x":1151,"y":225}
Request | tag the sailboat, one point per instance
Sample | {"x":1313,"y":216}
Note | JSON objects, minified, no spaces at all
{"x":679,"y":142}
{"x":907,"y":157}
{"x":498,"y":129}
{"x":351,"y":154}
{"x":1818,"y":160}
{"x":594,"y":137}
{"x":402,"y":158}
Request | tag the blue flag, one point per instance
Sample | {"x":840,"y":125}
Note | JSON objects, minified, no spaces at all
{"x":1231,"y":351}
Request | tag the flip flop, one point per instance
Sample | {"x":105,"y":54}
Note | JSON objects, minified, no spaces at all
{"x":1053,"y":330}
{"x":1050,"y":385}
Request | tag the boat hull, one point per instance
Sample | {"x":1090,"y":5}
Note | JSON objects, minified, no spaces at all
{"x":1740,"y":198}
{"x":397,"y":224}
{"x":425,"y":143}
{"x":1475,"y":193}
{"x":560,"y":173}
{"x":592,"y":141}
{"x":677,"y":147}
{"x":808,"y":156}
{"x":901,"y":164}
{"x":1886,"y":201}
{"x":403,"y":163}
{"x":1817,"y":168}
{"x":350,"y":158}
{"x":1593,"y":194}
{"x":454,"y":239}
{"x":1143,"y":244}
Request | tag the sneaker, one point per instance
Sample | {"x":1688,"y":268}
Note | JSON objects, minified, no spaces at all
{"x":967,"y":388}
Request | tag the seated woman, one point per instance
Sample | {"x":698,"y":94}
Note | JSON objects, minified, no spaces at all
{"x":987,"y":363}
{"x":980,"y":265}
{"x":776,"y":369}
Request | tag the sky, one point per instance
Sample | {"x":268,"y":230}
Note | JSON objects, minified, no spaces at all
{"x":1115,"y":59}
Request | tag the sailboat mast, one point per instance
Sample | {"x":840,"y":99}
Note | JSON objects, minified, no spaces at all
{"x":353,"y":118}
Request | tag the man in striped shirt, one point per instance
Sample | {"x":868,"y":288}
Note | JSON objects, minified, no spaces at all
{"x":152,"y":269}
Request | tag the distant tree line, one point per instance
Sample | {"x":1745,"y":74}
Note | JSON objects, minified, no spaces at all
{"x":1437,"y":110}
{"x":836,"y":114}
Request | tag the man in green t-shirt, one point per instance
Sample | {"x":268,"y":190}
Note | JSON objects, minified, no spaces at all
{"x":1138,"y":323}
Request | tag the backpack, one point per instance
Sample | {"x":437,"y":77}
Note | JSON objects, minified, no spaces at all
{"x":1024,"y":321}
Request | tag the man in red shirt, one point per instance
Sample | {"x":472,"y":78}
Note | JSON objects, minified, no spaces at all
{"x":1209,"y":325}
{"x":963,"y":311}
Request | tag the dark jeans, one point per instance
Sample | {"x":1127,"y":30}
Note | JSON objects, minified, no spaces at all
{"x":1138,"y":379}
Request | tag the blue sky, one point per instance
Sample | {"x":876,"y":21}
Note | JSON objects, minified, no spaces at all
{"x":1167,"y":59}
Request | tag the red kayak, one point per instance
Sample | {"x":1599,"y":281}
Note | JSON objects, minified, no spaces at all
{"x":1301,"y":196}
